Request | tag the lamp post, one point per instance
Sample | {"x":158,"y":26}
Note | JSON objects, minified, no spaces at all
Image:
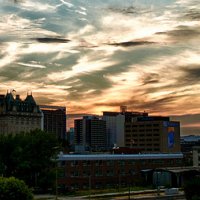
{"x":158,"y":182}
{"x":56,"y":168}
{"x":56,"y":182}
{"x":89,"y":186}
{"x":129,"y":190}
{"x":119,"y":180}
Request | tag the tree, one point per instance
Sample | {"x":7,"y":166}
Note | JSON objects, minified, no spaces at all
{"x":28,"y":156}
{"x":192,"y":189}
{"x":14,"y":189}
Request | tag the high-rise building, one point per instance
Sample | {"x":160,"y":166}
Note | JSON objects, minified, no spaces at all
{"x":17,"y":115}
{"x":54,"y":120}
{"x":115,"y":125}
{"x":90,"y":132}
{"x":153,"y":134}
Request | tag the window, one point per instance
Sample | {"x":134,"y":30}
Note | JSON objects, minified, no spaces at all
{"x":62,"y":163}
{"x":86,"y":173}
{"x":74,"y":163}
{"x":148,"y":125}
{"x":98,"y":163}
{"x":74,"y":173}
{"x":110,"y":162}
{"x":110,"y":173}
{"x":155,"y":125}
{"x":122,"y":162}
{"x":98,"y":172}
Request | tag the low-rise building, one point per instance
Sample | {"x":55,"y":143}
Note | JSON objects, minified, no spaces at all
{"x":196,"y":156}
{"x":109,"y":170}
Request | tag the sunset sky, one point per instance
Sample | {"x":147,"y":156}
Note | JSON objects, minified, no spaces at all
{"x":95,"y":55}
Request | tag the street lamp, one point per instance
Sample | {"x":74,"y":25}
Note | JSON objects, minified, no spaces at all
{"x":56,"y":182}
{"x":158,"y":176}
{"x":119,"y":180}
{"x":89,"y":186}
{"x":56,"y":168}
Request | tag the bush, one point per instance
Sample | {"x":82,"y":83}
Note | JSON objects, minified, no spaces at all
{"x":14,"y":189}
{"x":192,"y":189}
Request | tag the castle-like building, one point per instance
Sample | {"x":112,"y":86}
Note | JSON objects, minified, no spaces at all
{"x":17,"y":115}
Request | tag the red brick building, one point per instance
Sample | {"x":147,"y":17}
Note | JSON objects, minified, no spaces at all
{"x":109,"y":170}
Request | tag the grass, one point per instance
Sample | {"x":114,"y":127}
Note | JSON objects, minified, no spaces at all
{"x":86,"y":192}
{"x":106,"y":190}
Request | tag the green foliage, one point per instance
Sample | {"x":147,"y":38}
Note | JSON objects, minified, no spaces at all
{"x":14,"y":189}
{"x":192,"y":189}
{"x":28,"y":156}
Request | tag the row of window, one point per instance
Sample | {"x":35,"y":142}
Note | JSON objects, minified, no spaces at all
{"x":97,"y":185}
{"x":142,"y":125}
{"x":97,"y":163}
{"x":141,"y":140}
{"x":142,"y":135}
{"x":114,"y":163}
{"x":142,"y":130}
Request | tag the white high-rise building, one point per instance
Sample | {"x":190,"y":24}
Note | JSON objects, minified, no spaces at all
{"x":114,"y":128}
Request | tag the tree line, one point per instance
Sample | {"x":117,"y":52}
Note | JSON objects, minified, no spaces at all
{"x":30,"y":157}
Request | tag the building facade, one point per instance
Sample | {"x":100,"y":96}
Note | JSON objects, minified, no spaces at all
{"x":109,"y":170}
{"x":153,"y":134}
{"x":54,"y":120}
{"x":17,"y":115}
{"x":115,"y":128}
{"x":90,"y":132}
{"x":196,"y":156}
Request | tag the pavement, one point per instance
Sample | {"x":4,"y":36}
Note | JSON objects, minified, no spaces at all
{"x":138,"y":195}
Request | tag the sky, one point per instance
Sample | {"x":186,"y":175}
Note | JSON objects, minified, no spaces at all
{"x":94,"y":55}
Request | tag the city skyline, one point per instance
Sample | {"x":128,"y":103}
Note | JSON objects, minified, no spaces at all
{"x":93,"y":56}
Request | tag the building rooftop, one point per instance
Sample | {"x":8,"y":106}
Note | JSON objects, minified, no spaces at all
{"x":179,"y":169}
{"x":64,"y":157}
{"x":12,"y":102}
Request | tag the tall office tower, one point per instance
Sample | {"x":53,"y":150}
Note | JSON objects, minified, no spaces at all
{"x":17,"y":115}
{"x":54,"y":120}
{"x":153,"y":134}
{"x":90,"y":132}
{"x":115,"y":125}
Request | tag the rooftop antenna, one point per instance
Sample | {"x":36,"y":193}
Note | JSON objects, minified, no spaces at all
{"x":29,"y":92}
{"x":13,"y":92}
{"x":123,"y":109}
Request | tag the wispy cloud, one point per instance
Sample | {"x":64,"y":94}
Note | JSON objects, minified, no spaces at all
{"x":96,"y":55}
{"x":31,"y":65}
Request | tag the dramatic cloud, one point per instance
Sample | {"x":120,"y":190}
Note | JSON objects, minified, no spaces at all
{"x":52,"y":40}
{"x":131,"y":43}
{"x":93,"y":56}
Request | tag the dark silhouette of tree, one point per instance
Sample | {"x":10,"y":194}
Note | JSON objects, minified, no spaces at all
{"x":28,"y":156}
{"x":14,"y":189}
{"x":192,"y":189}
